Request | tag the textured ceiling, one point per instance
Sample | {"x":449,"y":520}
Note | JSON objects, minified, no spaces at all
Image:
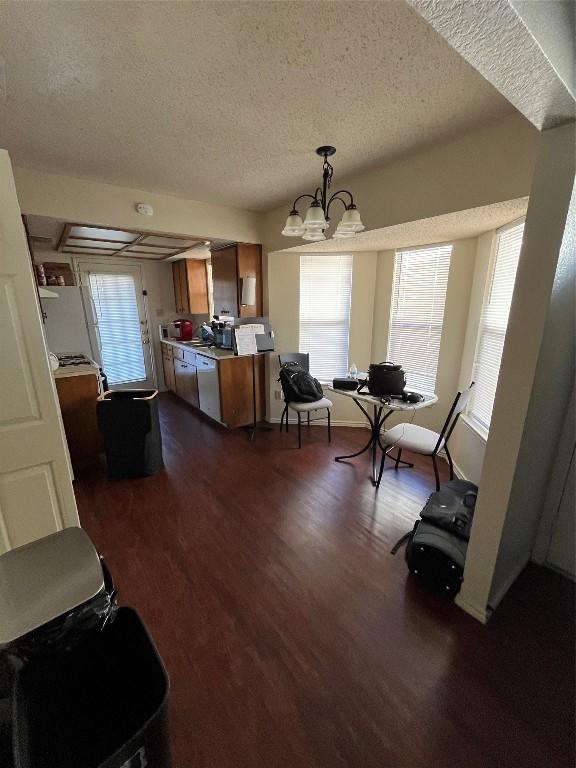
{"x":439,"y":229}
{"x":226,"y":101}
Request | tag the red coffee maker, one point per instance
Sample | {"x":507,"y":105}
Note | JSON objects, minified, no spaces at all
{"x":182,"y":330}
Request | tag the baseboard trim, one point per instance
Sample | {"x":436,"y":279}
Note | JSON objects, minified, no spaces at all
{"x":334,"y":423}
{"x":480,"y":614}
{"x":496,"y":597}
{"x":458,"y":472}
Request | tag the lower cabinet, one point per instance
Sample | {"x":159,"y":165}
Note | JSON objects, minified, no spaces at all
{"x":186,"y":379}
{"x":168,"y":366}
{"x":223,"y":389}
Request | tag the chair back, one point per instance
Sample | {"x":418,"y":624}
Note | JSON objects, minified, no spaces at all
{"x":302,"y":358}
{"x":459,"y":404}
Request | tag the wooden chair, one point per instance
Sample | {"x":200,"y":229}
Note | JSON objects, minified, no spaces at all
{"x":424,"y":441}
{"x":303,"y":360}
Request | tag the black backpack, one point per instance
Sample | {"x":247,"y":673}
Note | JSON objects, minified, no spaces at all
{"x":298,"y":385}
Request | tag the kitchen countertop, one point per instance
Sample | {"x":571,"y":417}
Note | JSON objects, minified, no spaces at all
{"x":76,"y":370}
{"x":213,"y":352}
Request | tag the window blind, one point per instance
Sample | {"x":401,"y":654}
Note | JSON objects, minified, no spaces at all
{"x":119,"y":327}
{"x":417,"y":312}
{"x":325,"y":296}
{"x":494,"y":323}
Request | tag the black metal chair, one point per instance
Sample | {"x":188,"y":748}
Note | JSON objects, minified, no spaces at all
{"x":424,"y":441}
{"x":303,"y":360}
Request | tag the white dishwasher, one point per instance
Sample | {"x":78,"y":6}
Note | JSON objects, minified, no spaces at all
{"x":208,"y":387}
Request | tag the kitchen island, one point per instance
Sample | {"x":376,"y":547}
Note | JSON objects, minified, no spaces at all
{"x":216,"y":381}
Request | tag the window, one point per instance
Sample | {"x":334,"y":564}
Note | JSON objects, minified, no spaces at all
{"x":325,"y":294}
{"x":494,"y":323}
{"x":418,"y":299}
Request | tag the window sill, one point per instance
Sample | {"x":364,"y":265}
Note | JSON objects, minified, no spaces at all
{"x":476,"y":428}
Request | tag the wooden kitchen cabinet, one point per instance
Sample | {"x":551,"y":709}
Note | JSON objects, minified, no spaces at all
{"x":229,"y":267}
{"x":78,"y":396}
{"x":186,"y":379}
{"x":236,"y":388}
{"x":190,"y":286}
{"x":168,"y":366}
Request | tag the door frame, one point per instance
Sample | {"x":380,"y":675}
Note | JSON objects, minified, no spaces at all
{"x":122,"y":266}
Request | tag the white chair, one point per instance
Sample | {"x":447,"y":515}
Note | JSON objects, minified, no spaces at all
{"x":411,"y":437}
{"x":303,"y":360}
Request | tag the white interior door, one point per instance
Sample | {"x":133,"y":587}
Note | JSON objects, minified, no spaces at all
{"x":36,"y":496}
{"x":119,"y":326}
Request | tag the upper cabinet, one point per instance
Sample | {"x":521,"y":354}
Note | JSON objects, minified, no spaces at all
{"x":230,"y":268}
{"x":190,"y":286}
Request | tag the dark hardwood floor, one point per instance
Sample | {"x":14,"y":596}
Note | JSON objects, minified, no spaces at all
{"x":294,"y":639}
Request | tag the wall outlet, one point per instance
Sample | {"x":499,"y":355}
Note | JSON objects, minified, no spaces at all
{"x":277,"y":394}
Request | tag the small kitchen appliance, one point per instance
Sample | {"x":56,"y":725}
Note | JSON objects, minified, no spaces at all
{"x":182,"y":330}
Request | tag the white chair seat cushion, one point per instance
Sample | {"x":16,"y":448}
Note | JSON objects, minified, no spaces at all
{"x":412,"y":438}
{"x":305,"y":407}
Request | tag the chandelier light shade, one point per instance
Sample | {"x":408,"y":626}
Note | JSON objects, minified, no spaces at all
{"x":317,"y":218}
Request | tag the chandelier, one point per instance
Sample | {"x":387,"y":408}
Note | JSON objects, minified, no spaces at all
{"x":317,"y":217}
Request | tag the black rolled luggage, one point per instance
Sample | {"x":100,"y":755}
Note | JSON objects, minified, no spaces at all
{"x":130,"y":424}
{"x":102,"y":705}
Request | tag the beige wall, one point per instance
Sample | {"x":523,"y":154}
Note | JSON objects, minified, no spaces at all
{"x":467,"y":445}
{"x":284,"y":297}
{"x":90,"y":202}
{"x":493,"y":536}
{"x":453,"y":332}
{"x":491,"y":164}
{"x":369,"y":322}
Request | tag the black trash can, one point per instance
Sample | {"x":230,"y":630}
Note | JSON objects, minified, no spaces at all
{"x":102,"y":705}
{"x":130,"y":424}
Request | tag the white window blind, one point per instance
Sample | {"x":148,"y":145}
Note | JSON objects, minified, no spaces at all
{"x":494,"y":323}
{"x":417,"y":313}
{"x":325,"y":295}
{"x":119,"y":327}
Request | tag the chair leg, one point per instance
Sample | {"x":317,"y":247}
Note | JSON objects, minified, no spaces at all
{"x":398,"y":458}
{"x":329,"y":426}
{"x":308,"y":418}
{"x":284,"y":414}
{"x":436,"y":475}
{"x":299,"y":431}
{"x":450,"y":462}
{"x":381,"y":470}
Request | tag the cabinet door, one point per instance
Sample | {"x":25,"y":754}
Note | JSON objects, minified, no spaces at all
{"x":177,"y":286}
{"x":225,"y":282}
{"x":180,"y":378}
{"x":249,"y":262}
{"x":192,"y":379}
{"x":168,"y":365}
{"x":185,"y":299}
{"x":197,"y":286}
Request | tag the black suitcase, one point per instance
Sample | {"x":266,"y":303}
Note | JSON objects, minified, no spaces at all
{"x":436,"y":556}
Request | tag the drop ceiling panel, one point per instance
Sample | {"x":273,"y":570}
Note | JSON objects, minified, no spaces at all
{"x":113,"y":235}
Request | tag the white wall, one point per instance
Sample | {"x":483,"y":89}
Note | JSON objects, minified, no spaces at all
{"x":156,"y":280}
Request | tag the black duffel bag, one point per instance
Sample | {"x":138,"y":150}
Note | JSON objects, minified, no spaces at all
{"x":384,"y":379}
